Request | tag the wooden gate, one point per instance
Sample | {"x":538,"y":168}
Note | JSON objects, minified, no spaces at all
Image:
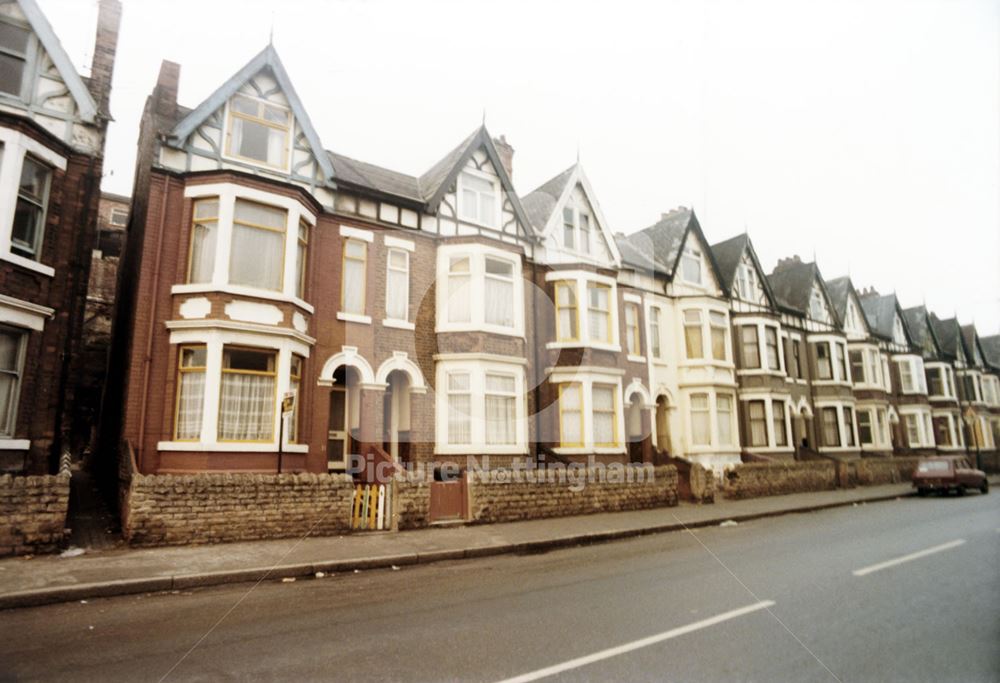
{"x":449,"y":500}
{"x":372,"y":509}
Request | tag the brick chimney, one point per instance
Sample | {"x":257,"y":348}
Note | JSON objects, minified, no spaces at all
{"x":102,"y":67}
{"x":165,"y":93}
{"x":506,"y":153}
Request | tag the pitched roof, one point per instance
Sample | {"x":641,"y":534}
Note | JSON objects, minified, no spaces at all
{"x":791,"y":282}
{"x":948,"y":333}
{"x":991,"y":350}
{"x":375,"y":178}
{"x":432,"y":180}
{"x":880,"y":310}
{"x":541,"y":202}
{"x":265,"y":59}
{"x":918,"y":324}
{"x":839,"y":289}
{"x":64,"y":65}
{"x":660,"y":244}
{"x":969,"y":337}
{"x":728,"y":255}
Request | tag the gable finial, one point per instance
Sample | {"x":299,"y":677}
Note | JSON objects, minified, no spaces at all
{"x":270,"y":37}
{"x":484,"y":117}
{"x":578,"y":152}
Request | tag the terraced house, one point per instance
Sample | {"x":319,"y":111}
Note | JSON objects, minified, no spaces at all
{"x":942,"y":391}
{"x":52,"y":132}
{"x":979,"y":386}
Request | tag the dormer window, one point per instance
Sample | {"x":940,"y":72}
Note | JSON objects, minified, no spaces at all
{"x":898,"y":334}
{"x":817,"y":311}
{"x":576,"y":230}
{"x":478,"y":200}
{"x":691,"y":265}
{"x":259,"y":131}
{"x":14,"y":42}
{"x":746,"y":282}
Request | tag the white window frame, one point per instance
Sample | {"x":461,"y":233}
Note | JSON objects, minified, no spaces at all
{"x":9,"y":429}
{"x":30,"y":56}
{"x":15,"y":147}
{"x":923,"y":419}
{"x":215,"y":340}
{"x":947,"y":381}
{"x":713,"y":422}
{"x":761,"y":325}
{"x":477,"y":366}
{"x":580,"y":280}
{"x":228,"y":193}
{"x":837,"y":376}
{"x":772,"y":440}
{"x":394,"y":247}
{"x":497,"y":197}
{"x":477,"y":254}
{"x":842,"y":425}
{"x":587,"y":377}
{"x":696,"y":254}
{"x":915,"y":366}
{"x":705,"y":311}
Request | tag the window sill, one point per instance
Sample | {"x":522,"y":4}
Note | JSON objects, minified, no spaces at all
{"x":41,"y":268}
{"x":239,"y":290}
{"x":399,"y":324}
{"x":635,"y":359}
{"x":589,"y":450}
{"x":14,"y":444}
{"x":760,"y":372}
{"x":354,"y":318}
{"x":481,"y":449}
{"x":599,"y":346}
{"x":225,"y":447}
{"x":475,"y":327}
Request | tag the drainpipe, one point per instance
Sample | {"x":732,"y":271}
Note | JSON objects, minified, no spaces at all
{"x":538,"y":385}
{"x":148,"y":355}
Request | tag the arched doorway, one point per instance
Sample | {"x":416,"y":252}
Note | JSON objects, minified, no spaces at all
{"x":396,"y":416}
{"x":662,"y":424}
{"x":633,"y":428}
{"x":344,"y":420}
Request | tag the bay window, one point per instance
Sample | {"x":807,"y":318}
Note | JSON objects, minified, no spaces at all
{"x":701,"y":426}
{"x":778,"y":420}
{"x":294,"y":384}
{"x":858,"y":367}
{"x":599,"y":312}
{"x":605,"y":414}
{"x":301,"y":259}
{"x":355,"y":263}
{"x":257,"y":249}
{"x":190,"y":393}
{"x":478,"y":199}
{"x":831,"y":427}
{"x":943,"y":430}
{"x":480,"y":406}
{"x":571,"y":414}
{"x":28,"y":228}
{"x":912,"y":430}
{"x":632,"y":343}
{"x":501,"y":409}
{"x":750,"y":347}
{"x":480,"y":288}
{"x":757,"y":423}
{"x":204,"y":237}
{"x":397,"y":284}
{"x":259,"y":131}
{"x":794,"y":358}
{"x":771,"y":342}
{"x":692,"y":334}
{"x":499,"y":292}
{"x":841,"y":355}
{"x":459,"y":408}
{"x":724,"y":419}
{"x":459,"y":279}
{"x":247,"y":398}
{"x":865,"y":428}
{"x":12,"y":341}
{"x":14,"y":44}
{"x":912,"y":379}
{"x":567,"y":313}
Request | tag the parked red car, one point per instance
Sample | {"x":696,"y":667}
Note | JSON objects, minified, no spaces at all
{"x":950,"y":473}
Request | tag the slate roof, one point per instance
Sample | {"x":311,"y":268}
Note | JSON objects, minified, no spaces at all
{"x":918,"y":325}
{"x":947,"y":333}
{"x":969,"y":337}
{"x":375,"y":178}
{"x":541,"y":202}
{"x":660,"y":244}
{"x":728,"y":254}
{"x":430,"y":182}
{"x":791,"y":282}
{"x":880,"y":311}
{"x":632,"y":254}
{"x":839,"y":289}
{"x":991,"y":349}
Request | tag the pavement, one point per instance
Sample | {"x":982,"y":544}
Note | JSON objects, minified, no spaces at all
{"x":102,"y":573}
{"x":902,"y":590}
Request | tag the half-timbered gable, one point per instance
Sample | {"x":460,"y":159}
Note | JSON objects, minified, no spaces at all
{"x":253,"y":123}
{"x":742,"y":275}
{"x":565,"y":212}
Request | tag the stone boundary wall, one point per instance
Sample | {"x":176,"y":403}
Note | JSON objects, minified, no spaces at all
{"x":755,"y":479}
{"x":214,"y":508}
{"x":32,"y":513}
{"x":878,"y":471}
{"x":989,"y":462}
{"x":412,"y":501}
{"x":503,"y":499}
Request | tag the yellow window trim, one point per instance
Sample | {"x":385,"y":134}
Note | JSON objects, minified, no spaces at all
{"x":607,"y":312}
{"x":287,"y":129}
{"x":194,"y":221}
{"x":181,"y":370}
{"x":614,"y":415}
{"x":231,"y":371}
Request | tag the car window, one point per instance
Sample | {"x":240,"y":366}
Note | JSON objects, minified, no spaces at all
{"x":933,"y":466}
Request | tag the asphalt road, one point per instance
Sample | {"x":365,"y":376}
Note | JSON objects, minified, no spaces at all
{"x":663,"y":607}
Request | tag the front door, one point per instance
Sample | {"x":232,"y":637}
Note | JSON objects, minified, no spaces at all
{"x":337,"y":438}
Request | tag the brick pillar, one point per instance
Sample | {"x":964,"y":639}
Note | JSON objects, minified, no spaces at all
{"x":647,"y":438}
{"x":371,"y":415}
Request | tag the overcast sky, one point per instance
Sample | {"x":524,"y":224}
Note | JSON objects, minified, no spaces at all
{"x":867,"y":132}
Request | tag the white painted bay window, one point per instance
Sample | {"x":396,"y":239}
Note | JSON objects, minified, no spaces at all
{"x":605,"y":414}
{"x":693,"y":334}
{"x":831,"y":360}
{"x":190,"y":392}
{"x":257,"y":251}
{"x":759,"y":347}
{"x":724,"y":419}
{"x":912,"y":379}
{"x":599,"y":312}
{"x":701,"y":420}
{"x":480,"y":289}
{"x":480,"y":405}
{"x":571,"y":415}
{"x":12,"y":342}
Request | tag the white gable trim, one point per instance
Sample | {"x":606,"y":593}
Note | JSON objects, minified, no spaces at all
{"x":555,"y":219}
{"x":47,"y":37}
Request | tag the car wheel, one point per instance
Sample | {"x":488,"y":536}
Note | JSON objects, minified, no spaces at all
{"x":985,"y":488}
{"x":960,"y":490}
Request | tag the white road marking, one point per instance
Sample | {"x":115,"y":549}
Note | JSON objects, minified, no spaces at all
{"x":906,"y":558}
{"x":637,"y":644}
